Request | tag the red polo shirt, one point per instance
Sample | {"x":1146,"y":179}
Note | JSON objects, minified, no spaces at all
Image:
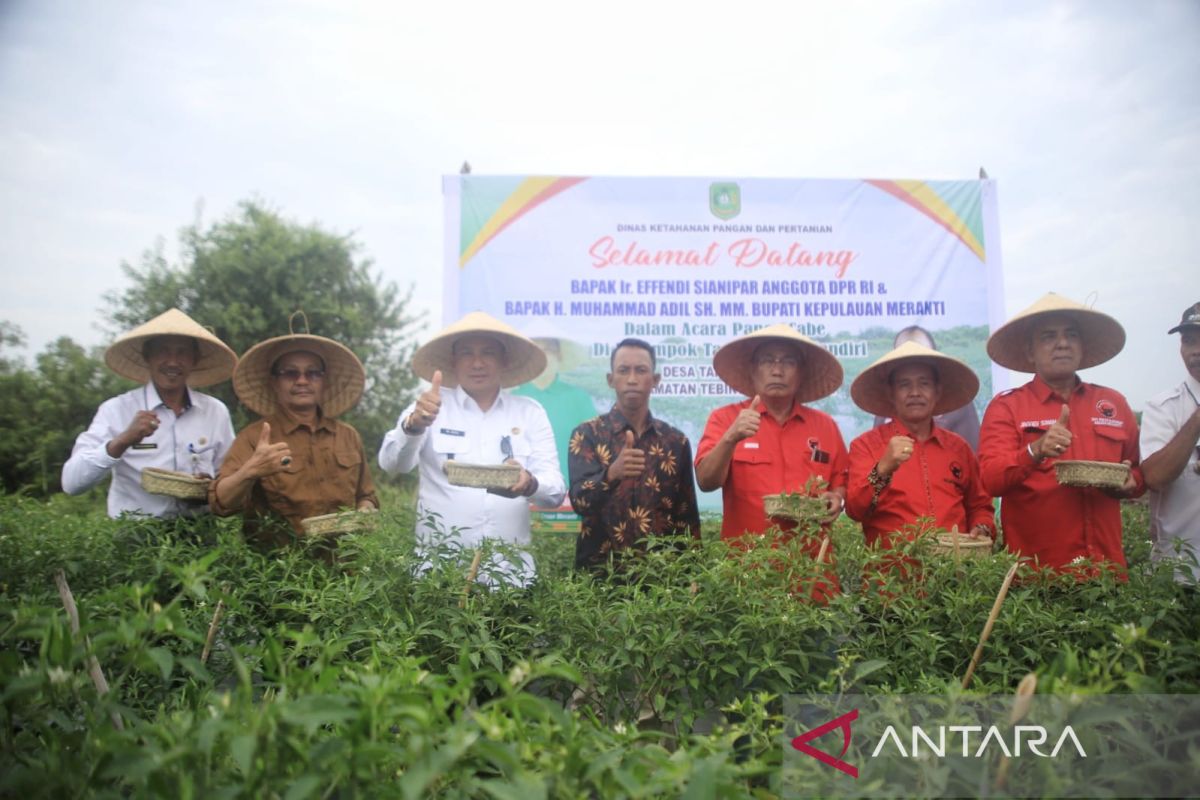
{"x":1043,"y":520}
{"x":940,"y":482}
{"x":779,"y":458}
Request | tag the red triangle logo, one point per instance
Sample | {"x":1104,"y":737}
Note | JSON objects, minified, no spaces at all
{"x":801,"y":743}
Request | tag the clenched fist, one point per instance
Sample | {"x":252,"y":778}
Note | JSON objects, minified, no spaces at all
{"x":899,"y":450}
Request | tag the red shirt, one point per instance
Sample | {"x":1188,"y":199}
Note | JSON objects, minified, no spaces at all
{"x":779,"y":458}
{"x":940,"y":481}
{"x":1041,"y":519}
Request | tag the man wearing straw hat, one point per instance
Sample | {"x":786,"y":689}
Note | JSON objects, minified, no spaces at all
{"x":1171,"y":446}
{"x":772,"y":443}
{"x":163,"y":423}
{"x":910,"y":468}
{"x":467,"y":415}
{"x":299,"y":460}
{"x":1057,"y":416}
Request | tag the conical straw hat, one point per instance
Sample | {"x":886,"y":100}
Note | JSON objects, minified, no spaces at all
{"x":1101,"y":335}
{"x":214,"y":364}
{"x":525,"y":360}
{"x":872,"y":393}
{"x":820,"y":373}
{"x":345,"y":376}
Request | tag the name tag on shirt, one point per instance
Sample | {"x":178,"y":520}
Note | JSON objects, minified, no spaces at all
{"x":452,"y":432}
{"x":144,"y":446}
{"x":750,"y":445}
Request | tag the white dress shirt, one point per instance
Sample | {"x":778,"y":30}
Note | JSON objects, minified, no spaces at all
{"x":466,"y":433}
{"x":1175,"y":511}
{"x":195,"y":442}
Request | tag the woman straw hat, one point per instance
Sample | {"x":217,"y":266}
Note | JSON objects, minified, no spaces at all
{"x":345,"y":376}
{"x":524,"y":360}
{"x":215,"y":360}
{"x":872,"y":392}
{"x":820,"y":372}
{"x":1101,"y":335}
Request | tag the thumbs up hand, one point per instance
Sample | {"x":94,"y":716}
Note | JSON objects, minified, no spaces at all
{"x":629,"y":463}
{"x":1057,"y":438}
{"x":427,"y":407}
{"x":746,"y":423}
{"x":267,"y":458}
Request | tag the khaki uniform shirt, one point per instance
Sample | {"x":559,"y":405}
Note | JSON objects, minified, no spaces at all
{"x":328,"y":473}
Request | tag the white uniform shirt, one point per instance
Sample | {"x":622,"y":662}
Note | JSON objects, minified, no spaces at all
{"x":195,"y":442}
{"x":473,"y":436}
{"x":1175,"y":511}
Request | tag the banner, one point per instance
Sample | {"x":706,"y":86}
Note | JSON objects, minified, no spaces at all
{"x":689,"y":263}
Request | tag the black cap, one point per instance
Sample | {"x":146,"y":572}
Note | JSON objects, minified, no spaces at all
{"x":1190,"y":319}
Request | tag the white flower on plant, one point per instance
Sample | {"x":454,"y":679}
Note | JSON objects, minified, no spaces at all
{"x":58,"y":675}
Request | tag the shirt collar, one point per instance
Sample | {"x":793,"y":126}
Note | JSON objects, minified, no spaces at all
{"x":895,"y":427}
{"x":618,"y":423}
{"x":288,"y":424}
{"x":466,"y":401}
{"x":1192,"y":384}
{"x":797,"y":411}
{"x":154,"y":400}
{"x":1043,"y":392}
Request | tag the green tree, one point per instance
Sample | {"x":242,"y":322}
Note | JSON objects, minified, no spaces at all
{"x":43,"y":409}
{"x":245,"y":275}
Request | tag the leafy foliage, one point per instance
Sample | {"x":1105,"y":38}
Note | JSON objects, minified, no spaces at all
{"x":43,"y":409}
{"x":381,"y":676}
{"x":245,"y":275}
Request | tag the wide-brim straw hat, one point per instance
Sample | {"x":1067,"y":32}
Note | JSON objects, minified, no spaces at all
{"x":1101,"y":335}
{"x":820,"y":374}
{"x":872,"y":393}
{"x":524,"y":359}
{"x":345,"y":376}
{"x":214,"y":364}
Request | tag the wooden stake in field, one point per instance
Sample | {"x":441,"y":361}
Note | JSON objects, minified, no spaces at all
{"x":471,"y":573}
{"x":1021,"y":703}
{"x":97,"y":674}
{"x":991,"y":620}
{"x":212,"y":632}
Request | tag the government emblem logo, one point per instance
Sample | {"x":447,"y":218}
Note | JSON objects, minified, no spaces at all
{"x":724,"y":200}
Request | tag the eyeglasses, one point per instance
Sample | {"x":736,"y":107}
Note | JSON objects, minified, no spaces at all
{"x":294,"y":374}
{"x":788,"y":362}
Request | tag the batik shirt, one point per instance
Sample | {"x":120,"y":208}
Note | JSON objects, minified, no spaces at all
{"x":620,"y":515}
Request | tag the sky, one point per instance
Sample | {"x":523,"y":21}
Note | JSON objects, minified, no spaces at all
{"x":120,"y":123}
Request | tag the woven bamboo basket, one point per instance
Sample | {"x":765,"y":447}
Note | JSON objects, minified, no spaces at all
{"x":482,"y":476}
{"x":797,"y":507}
{"x":339,"y":523}
{"x":967,"y":547}
{"x":180,"y":485}
{"x":1096,"y":474}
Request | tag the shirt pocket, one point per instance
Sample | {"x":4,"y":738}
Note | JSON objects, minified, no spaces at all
{"x":750,"y":455}
{"x":448,"y":445}
{"x":1110,"y":441}
{"x":522,"y":448}
{"x":347,"y":469}
{"x":280,"y":489}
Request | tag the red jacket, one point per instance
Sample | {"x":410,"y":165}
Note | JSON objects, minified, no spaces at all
{"x":939,"y":482}
{"x":1052,"y":523}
